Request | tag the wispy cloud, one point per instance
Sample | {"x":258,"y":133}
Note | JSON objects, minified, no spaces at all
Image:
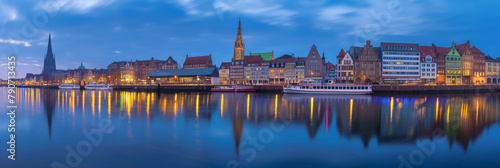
{"x":404,"y":19}
{"x":12,"y":41}
{"x":267,"y":11}
{"x":192,"y":7}
{"x":7,"y":13}
{"x":77,"y":6}
{"x":118,"y":52}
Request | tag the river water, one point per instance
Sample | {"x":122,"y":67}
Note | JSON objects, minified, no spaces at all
{"x":68,"y":128}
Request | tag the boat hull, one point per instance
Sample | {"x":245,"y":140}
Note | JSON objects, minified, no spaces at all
{"x":300,"y":91}
{"x":69,"y":87}
{"x":223,"y":90}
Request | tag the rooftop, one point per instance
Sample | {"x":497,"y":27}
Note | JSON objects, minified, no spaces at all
{"x":184,"y":72}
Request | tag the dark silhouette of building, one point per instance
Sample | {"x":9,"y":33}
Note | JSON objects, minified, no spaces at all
{"x":49,"y":62}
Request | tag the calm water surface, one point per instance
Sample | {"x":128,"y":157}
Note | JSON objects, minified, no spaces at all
{"x":254,"y":129}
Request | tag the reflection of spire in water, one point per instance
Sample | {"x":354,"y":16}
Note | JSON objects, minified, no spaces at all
{"x":314,"y":124}
{"x":49,"y":103}
{"x":237,"y":129}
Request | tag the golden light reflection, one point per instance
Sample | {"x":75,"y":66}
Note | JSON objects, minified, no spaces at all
{"x":276,"y":107}
{"x":197,"y":104}
{"x":448,"y":114}
{"x":248,"y":106}
{"x":392,"y":108}
{"x":73,"y":102}
{"x":222,"y":106}
{"x":437,"y":108}
{"x":477,"y":110}
{"x":99,"y":103}
{"x":109,"y":104}
{"x":312,"y":107}
{"x":93,"y":104}
{"x":83,"y":102}
{"x":350,"y":112}
{"x":147,"y":104}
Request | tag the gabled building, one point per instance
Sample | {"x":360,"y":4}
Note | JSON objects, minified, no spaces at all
{"x":278,"y":69}
{"x":236,"y":71}
{"x":453,"y":66}
{"x":400,"y":62}
{"x":368,"y":64}
{"x":198,"y":62}
{"x":170,"y":63}
{"x":256,"y":70}
{"x":465,"y":51}
{"x":428,"y":64}
{"x":315,"y":71}
{"x":479,"y":66}
{"x":224,"y":73}
{"x":441,"y":63}
{"x":345,"y":67}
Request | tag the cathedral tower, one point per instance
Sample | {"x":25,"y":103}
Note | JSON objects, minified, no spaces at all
{"x":49,"y":62}
{"x":239,"y":46}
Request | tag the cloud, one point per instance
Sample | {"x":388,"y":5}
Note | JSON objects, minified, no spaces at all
{"x":76,"y":6}
{"x":118,"y":52}
{"x":374,"y":19}
{"x":7,"y":13}
{"x":11,"y":41}
{"x":267,"y":11}
{"x":191,"y":7}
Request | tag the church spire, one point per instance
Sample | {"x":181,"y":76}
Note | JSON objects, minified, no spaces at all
{"x":239,"y":46}
{"x":49,"y":47}
{"x":49,"y":62}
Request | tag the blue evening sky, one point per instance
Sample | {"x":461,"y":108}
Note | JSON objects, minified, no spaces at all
{"x":98,"y":32}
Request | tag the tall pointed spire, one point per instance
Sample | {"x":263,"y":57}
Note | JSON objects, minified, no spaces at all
{"x":49,"y":62}
{"x":239,"y":46}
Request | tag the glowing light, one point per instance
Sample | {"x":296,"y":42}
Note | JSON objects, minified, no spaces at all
{"x":448,"y":114}
{"x":109,"y":104}
{"x":197,"y":104}
{"x":93,"y":103}
{"x":248,"y":106}
{"x":312,"y":107}
{"x":222,"y":106}
{"x":350,"y":113}
{"x":276,"y":107}
{"x":392,"y":107}
{"x":99,"y":103}
{"x":437,"y":108}
{"x":147,"y":104}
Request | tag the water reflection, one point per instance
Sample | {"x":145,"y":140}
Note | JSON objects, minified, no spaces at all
{"x":387,"y":119}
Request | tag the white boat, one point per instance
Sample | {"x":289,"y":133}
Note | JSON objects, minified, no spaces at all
{"x":69,"y":86}
{"x":328,"y":89}
{"x":98,"y":86}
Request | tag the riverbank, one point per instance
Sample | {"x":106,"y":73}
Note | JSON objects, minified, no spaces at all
{"x":278,"y":88}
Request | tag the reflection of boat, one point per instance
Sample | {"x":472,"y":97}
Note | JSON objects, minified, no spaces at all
{"x":235,"y":88}
{"x":328,"y":89}
{"x":98,"y":86}
{"x":325,"y":96}
{"x":69,"y":86}
{"x":223,"y":89}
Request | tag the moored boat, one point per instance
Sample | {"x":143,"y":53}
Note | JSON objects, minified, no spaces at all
{"x":243,"y":88}
{"x":69,"y":86}
{"x":98,"y":86}
{"x":223,"y":89}
{"x":328,"y":89}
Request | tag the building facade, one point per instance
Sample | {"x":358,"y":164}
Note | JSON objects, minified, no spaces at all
{"x":428,"y":64}
{"x":465,"y":51}
{"x":492,"y":70}
{"x":441,"y":63}
{"x":400,"y":62}
{"x":368,"y":65}
{"x":300,"y":68}
{"x":453,"y":66}
{"x":142,"y":68}
{"x":224,"y":73}
{"x":256,"y":70}
{"x":315,"y":70}
{"x":332,"y":72}
{"x":479,"y":66}
{"x":345,"y":67}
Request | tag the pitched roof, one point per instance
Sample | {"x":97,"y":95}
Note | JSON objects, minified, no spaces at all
{"x":329,"y":64}
{"x":428,"y":50}
{"x":253,"y":59}
{"x":198,"y":60}
{"x":301,"y":59}
{"x":225,"y":65}
{"x":476,"y":50}
{"x":184,"y":72}
{"x":442,"y":51}
{"x":461,"y":47}
{"x":341,"y":54}
{"x":355,"y":51}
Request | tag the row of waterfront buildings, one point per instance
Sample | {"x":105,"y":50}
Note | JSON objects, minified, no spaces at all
{"x":388,"y":63}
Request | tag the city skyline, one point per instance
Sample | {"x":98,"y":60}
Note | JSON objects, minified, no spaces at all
{"x":195,"y":30}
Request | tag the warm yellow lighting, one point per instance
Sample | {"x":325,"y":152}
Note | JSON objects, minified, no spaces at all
{"x":222,"y":106}
{"x":312,"y":107}
{"x":197,"y":104}
{"x":248,"y":106}
{"x":276,"y":107}
{"x":350,"y":113}
{"x":392,"y":107}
